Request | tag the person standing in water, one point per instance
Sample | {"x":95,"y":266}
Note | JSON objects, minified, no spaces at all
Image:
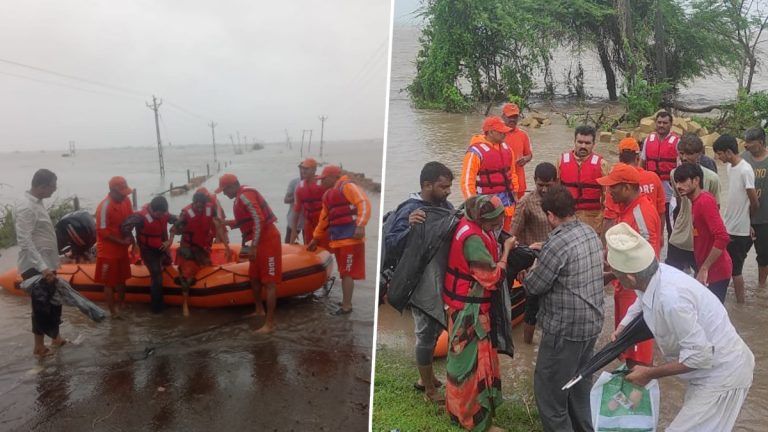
{"x":256,"y":221}
{"x":345,"y":213}
{"x":39,"y":255}
{"x":113,"y":266}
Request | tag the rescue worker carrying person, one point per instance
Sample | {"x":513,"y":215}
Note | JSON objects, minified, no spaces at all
{"x":489,"y":167}
{"x":151,"y":226}
{"x":198,"y":224}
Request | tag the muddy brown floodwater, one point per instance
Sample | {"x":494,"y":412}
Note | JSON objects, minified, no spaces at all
{"x":418,"y":136}
{"x":207,"y":372}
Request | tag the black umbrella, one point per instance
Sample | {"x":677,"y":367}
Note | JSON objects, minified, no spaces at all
{"x":636,"y":331}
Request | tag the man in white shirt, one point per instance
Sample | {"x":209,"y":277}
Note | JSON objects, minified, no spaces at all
{"x":692,"y":330}
{"x":39,"y":255}
{"x":741,"y":204}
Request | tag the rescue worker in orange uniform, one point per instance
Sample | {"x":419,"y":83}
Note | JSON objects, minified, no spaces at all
{"x":517,"y":140}
{"x":636,"y":210}
{"x":659,"y":154}
{"x":579,"y":170}
{"x":113,"y":266}
{"x":199,"y":223}
{"x":489,"y":167}
{"x":345,"y":213}
{"x":151,"y":226}
{"x":308,"y":200}
{"x":256,"y":221}
{"x":650,"y":185}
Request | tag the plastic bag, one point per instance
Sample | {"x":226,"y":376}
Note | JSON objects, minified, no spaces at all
{"x":618,"y":405}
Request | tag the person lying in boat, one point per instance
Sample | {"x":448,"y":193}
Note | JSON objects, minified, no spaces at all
{"x":198,"y":225}
{"x":151,"y":226}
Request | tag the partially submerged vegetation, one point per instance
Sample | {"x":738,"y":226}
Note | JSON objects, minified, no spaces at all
{"x":478,"y":53}
{"x":56,"y":210}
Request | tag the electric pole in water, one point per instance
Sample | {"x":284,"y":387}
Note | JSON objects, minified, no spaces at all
{"x":301,"y":152}
{"x":288,"y":140}
{"x":309,"y":146}
{"x":213,"y":138}
{"x":322,"y":128}
{"x":155,"y":105}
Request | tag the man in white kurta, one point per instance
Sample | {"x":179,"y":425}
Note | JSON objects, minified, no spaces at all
{"x":692,"y":330}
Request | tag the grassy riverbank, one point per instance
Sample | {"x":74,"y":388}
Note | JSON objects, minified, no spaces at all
{"x":398,"y":406}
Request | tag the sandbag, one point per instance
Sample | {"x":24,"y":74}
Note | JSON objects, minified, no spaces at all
{"x":620,"y":406}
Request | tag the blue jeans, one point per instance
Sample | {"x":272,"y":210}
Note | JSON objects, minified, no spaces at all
{"x":154,"y":260}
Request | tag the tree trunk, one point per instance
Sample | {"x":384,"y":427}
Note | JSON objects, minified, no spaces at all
{"x":610,"y":75}
{"x":751,"y":73}
{"x":660,"y":44}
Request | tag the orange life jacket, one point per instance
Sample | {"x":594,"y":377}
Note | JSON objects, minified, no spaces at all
{"x":243,"y":216}
{"x":153,"y":230}
{"x":661,"y":155}
{"x":493,"y":175}
{"x":342,"y":214}
{"x":199,"y":229}
{"x":458,"y":280}
{"x":311,"y":196}
{"x":581,"y":180}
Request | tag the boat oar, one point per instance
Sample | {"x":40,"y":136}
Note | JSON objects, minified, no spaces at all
{"x":636,"y":331}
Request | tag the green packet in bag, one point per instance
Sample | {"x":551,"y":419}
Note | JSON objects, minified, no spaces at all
{"x":620,"y":406}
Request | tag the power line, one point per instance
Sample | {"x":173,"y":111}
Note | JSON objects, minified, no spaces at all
{"x":135,"y":92}
{"x":72,"y":77}
{"x":53,"y":83}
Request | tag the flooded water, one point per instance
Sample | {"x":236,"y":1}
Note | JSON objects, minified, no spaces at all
{"x":206,"y":372}
{"x":418,"y":136}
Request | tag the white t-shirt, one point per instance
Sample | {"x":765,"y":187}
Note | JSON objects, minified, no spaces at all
{"x":740,"y":178}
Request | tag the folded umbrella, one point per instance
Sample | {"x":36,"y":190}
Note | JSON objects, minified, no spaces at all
{"x":636,"y":331}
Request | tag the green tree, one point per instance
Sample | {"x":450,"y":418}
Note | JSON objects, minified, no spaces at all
{"x":478,"y":51}
{"x":740,"y":26}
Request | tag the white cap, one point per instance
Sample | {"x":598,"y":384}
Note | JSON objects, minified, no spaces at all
{"x":628,"y":251}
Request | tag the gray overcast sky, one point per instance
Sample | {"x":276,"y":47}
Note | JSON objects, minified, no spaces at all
{"x":256,"y":67}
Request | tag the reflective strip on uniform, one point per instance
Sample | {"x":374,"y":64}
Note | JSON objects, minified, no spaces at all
{"x":103,"y":218}
{"x":641,"y":225}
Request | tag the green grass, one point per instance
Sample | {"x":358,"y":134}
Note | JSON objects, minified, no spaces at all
{"x":398,"y":406}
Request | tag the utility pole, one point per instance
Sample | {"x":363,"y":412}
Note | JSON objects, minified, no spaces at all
{"x":72,"y":148}
{"x":239,"y":143}
{"x":323,"y":118}
{"x":309,"y":147}
{"x":213,"y":138}
{"x":288,"y":140}
{"x":303,"y":131}
{"x":155,"y":105}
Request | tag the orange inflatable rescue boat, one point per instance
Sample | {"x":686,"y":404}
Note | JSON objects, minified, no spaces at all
{"x":219,"y":285}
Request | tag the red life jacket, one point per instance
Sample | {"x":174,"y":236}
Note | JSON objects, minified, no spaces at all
{"x":493,"y":175}
{"x":661,"y":156}
{"x":581,"y":180}
{"x":199,"y":229}
{"x":342,"y":214}
{"x":243,"y":216}
{"x":458,"y":280}
{"x":153,"y":230}
{"x":311,"y":196}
